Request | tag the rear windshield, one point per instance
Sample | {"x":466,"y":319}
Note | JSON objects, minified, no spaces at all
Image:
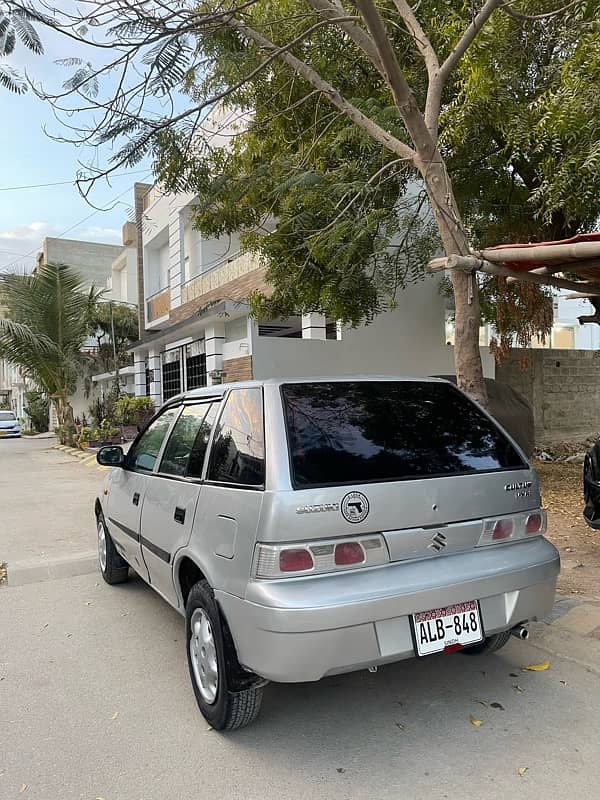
{"x":365,"y":432}
{"x":7,"y":416}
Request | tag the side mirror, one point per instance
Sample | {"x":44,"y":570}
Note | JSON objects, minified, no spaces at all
{"x":111,"y":456}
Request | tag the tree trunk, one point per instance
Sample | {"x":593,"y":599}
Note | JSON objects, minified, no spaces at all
{"x":467,"y":355}
{"x":66,"y":421}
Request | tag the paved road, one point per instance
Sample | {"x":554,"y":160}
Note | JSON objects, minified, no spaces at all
{"x":46,"y":501}
{"x":95,"y":702}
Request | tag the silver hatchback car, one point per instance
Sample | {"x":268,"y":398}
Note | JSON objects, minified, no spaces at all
{"x":313,"y":527}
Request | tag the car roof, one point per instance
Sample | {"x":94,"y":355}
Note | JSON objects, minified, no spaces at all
{"x":220,"y":389}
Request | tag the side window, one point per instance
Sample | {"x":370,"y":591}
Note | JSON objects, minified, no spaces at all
{"x":144,"y":454}
{"x":187,"y":430}
{"x":238,"y":451}
{"x":200,"y":445}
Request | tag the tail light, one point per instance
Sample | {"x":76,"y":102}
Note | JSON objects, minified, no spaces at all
{"x":313,"y":558}
{"x":297,"y":559}
{"x":516,"y":526}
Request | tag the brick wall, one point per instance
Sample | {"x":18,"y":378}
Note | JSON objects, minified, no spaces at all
{"x":563,"y":387}
{"x":238,"y":369}
{"x":238,"y":290}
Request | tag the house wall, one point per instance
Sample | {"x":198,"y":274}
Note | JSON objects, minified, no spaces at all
{"x":92,"y":260}
{"x":563,"y":387}
{"x":407,"y":341}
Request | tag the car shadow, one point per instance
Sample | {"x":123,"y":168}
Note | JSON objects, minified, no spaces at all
{"x":392,"y":717}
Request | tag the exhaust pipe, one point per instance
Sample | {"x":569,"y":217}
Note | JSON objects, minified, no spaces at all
{"x":520,"y":631}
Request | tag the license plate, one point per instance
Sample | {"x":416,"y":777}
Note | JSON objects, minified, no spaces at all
{"x":441,"y":628}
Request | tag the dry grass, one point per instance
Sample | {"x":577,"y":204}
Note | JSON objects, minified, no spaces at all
{"x":562,"y":487}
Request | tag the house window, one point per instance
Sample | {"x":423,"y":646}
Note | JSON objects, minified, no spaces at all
{"x":195,"y":365}
{"x":171,"y":373}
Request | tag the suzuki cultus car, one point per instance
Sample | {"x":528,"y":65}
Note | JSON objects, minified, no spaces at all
{"x":311,"y":527}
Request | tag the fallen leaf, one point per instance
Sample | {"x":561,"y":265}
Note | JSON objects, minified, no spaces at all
{"x":499,"y":706}
{"x":115,"y":715}
{"x":399,"y":725}
{"x":46,"y":625}
{"x":210,"y":728}
{"x":340,"y":770}
{"x":518,"y":689}
{"x":541,"y":667}
{"x":125,"y":613}
{"x":522,"y":771}
{"x":89,"y":602}
{"x":474,"y":721}
{"x":513,"y":675}
{"x":23,"y":788}
{"x":482,"y":703}
{"x":564,"y":683}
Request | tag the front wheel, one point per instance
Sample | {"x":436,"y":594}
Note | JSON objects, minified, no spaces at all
{"x":212,"y":672}
{"x":489,"y":645}
{"x":113,"y":567}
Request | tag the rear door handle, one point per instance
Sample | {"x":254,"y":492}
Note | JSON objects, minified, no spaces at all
{"x":179,"y":515}
{"x":136,"y":498}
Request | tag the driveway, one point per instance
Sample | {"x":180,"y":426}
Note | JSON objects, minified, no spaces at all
{"x":95,"y":699}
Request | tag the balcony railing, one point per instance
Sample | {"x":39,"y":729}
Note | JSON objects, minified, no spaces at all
{"x":227,"y":270}
{"x":158,"y":305}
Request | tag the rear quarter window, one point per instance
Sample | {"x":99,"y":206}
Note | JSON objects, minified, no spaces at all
{"x":367,"y":432}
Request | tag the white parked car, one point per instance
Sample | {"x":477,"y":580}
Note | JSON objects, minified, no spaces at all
{"x":9,"y":425}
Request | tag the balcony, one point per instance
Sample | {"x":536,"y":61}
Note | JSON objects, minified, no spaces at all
{"x":228,"y":270}
{"x":158,"y":305}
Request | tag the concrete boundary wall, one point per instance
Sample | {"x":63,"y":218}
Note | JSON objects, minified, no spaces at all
{"x":563,"y":387}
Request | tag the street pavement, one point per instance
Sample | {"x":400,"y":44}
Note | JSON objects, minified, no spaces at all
{"x":46,"y":501}
{"x":95,"y":700}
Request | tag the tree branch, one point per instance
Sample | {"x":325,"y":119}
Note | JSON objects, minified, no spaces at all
{"x":419,"y":36}
{"x":380,"y":135}
{"x":512,"y":12}
{"x":437,"y":83}
{"x":401,"y":91}
{"x":470,"y":33}
{"x":331,"y":11}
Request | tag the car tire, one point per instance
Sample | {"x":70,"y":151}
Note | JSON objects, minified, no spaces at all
{"x":489,"y":645}
{"x":113,"y":566}
{"x":213,"y":665}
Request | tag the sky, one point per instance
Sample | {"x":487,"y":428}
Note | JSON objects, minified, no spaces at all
{"x":28,"y":156}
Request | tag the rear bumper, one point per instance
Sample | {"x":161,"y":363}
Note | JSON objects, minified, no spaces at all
{"x":296,"y":630}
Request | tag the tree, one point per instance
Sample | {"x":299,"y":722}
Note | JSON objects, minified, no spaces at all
{"x":114,"y":325}
{"x":162,"y":46}
{"x":15,"y":24}
{"x":38,"y":410}
{"x":46,"y":325}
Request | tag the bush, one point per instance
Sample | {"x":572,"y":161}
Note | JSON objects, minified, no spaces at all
{"x":104,"y":407}
{"x":132,"y":410}
{"x":38,"y":411}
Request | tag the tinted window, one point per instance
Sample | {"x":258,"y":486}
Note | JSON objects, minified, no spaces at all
{"x":238,"y":451}
{"x":177,"y":452}
{"x":7,"y":416}
{"x":144,"y":454}
{"x":388,"y":430}
{"x":199,"y":450}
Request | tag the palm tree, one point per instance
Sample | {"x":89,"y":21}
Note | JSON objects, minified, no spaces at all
{"x":46,"y":323}
{"x":15,"y":23}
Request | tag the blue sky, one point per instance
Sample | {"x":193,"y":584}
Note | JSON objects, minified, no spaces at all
{"x":29,"y":156}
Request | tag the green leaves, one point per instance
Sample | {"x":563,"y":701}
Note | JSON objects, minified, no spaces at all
{"x":16,"y":25}
{"x":47,"y":318}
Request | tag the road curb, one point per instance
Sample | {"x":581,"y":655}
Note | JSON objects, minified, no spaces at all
{"x":36,"y":570}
